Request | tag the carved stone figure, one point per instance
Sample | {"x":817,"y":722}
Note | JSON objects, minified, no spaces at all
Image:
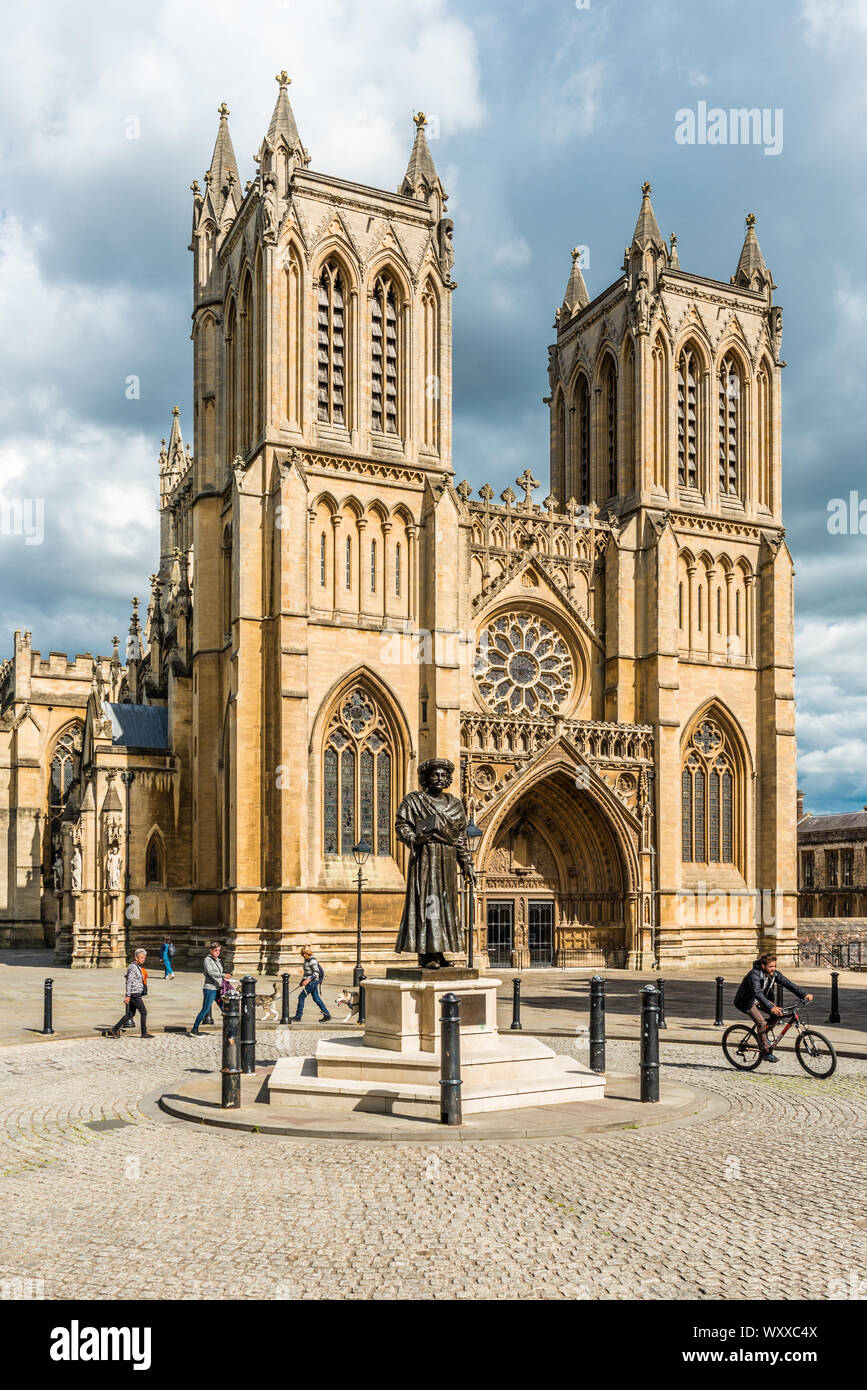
{"x":112,"y":868}
{"x":75,"y":869}
{"x":445,"y":232}
{"x":776,"y":327}
{"x":434,"y":825}
{"x":269,"y":210}
{"x":642,"y":305}
{"x":57,"y":873}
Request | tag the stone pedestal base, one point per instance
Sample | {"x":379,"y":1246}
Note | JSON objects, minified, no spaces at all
{"x":395,"y":1067}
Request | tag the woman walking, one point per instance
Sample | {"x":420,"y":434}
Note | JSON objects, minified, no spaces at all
{"x":167,"y":951}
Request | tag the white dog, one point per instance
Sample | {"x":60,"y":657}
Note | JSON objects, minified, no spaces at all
{"x":349,"y":997}
{"x":268,"y":1004}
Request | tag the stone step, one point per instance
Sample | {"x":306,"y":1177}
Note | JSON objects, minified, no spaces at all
{"x":503,"y":1058}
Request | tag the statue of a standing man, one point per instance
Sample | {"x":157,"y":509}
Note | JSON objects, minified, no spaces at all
{"x":434,"y":825}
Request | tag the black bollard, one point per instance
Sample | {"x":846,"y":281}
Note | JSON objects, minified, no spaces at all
{"x":718,"y":1021}
{"x":284,"y":1017}
{"x":834,"y":1015}
{"x":48,"y":1007}
{"x":660,"y":986}
{"x":516,"y":1004}
{"x":231,"y":1071}
{"x":450,"y":1060}
{"x":597,"y":1023}
{"x":649,"y":1044}
{"x":248,"y":1025}
{"x":362,"y":1004}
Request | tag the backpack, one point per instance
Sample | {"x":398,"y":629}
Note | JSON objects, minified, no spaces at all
{"x":321,"y":975}
{"x":171,"y":949}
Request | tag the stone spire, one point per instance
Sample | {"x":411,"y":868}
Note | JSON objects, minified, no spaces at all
{"x":752,"y":273}
{"x":176,"y":457}
{"x":134,"y":638}
{"x":421,"y":178}
{"x":222,"y":179}
{"x":647,"y":231}
{"x":282,"y":135}
{"x":576,"y":296}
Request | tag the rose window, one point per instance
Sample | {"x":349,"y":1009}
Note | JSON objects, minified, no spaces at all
{"x":523,"y":665}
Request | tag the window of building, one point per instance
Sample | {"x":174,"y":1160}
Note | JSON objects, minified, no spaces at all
{"x":730,"y":409}
{"x":373,"y":567}
{"x":62,"y":774}
{"x":581,"y":445}
{"x":384,"y":357}
{"x":848,"y":867}
{"x":154,"y":863}
{"x":807,"y":868}
{"x":831,"y":867}
{"x":358,"y":767}
{"x":331,"y":345}
{"x":397,"y":569}
{"x":322,"y":559}
{"x":688,"y":375}
{"x":609,"y":424}
{"x":708,"y":797}
{"x":349,"y":562}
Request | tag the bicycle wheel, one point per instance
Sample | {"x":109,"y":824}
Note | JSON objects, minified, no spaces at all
{"x":815,"y":1053}
{"x":741,"y":1047}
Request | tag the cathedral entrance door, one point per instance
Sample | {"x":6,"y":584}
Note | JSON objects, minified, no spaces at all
{"x":501,"y":931}
{"x":540,"y":933}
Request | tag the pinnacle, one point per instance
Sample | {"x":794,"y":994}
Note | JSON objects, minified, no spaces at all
{"x":283,"y":121}
{"x":751,"y":264}
{"x":421,"y":175}
{"x":646,"y":228}
{"x":223,"y":171}
{"x":576,"y":296}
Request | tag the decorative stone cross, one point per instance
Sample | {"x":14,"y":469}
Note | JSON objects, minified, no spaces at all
{"x":529,"y":484}
{"x":486,"y":492}
{"x":222,"y":109}
{"x":464,"y":491}
{"x":283,"y":78}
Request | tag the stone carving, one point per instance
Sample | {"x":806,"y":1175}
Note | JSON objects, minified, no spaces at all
{"x":775,"y":324}
{"x":642,"y":304}
{"x":75,"y":868}
{"x":523,"y":665}
{"x":269,"y":209}
{"x":445,"y":232}
{"x":434,"y":825}
{"x":113,"y":869}
{"x":57,"y":873}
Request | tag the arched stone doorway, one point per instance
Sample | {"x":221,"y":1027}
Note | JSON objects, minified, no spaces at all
{"x":555,"y":887}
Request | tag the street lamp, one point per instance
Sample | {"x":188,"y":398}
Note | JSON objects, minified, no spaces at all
{"x":474,"y":834}
{"x":362,"y":852}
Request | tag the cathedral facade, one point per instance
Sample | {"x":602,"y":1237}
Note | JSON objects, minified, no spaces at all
{"x":608,"y":665}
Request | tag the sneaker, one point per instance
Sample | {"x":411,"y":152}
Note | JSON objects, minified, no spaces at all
{"x":771,"y":1058}
{"x":194,"y":1033}
{"x":326,"y":1018}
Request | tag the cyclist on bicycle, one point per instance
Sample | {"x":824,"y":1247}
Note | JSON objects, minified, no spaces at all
{"x":755,"y":997}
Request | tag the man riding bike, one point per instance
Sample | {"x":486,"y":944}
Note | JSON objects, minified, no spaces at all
{"x":755,"y":997}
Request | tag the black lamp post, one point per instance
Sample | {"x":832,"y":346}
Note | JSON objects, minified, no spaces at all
{"x":474,"y":834}
{"x":362,"y":852}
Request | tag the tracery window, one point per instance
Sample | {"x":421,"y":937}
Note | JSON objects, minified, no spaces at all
{"x":63,"y":772}
{"x":730,"y":408}
{"x":349,"y":562}
{"x":687,"y":418}
{"x":331,"y":345}
{"x":397,"y":569}
{"x":523,"y":665}
{"x":581,"y":443}
{"x":154,"y":870}
{"x":322,"y":559}
{"x":384,"y":356}
{"x":358,"y":778}
{"x":708,"y":798}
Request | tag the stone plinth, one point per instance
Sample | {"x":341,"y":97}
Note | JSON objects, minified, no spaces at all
{"x":394,"y":1068}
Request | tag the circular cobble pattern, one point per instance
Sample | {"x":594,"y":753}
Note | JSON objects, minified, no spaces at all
{"x":164,"y":1209}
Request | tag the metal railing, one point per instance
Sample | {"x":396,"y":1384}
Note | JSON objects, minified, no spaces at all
{"x":590,"y":958}
{"x":838,"y":955}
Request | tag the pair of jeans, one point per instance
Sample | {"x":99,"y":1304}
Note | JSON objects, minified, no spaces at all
{"x":311,"y":988}
{"x":761,"y":1020}
{"x":208,"y":997}
{"x":168,"y":965}
{"x":136,"y":1005}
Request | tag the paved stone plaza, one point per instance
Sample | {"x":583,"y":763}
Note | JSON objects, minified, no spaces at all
{"x":161,"y":1209}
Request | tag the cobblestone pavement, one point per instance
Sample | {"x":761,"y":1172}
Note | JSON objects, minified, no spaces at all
{"x":167,"y":1210}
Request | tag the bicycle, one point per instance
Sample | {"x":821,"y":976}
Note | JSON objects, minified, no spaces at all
{"x":813,"y":1050}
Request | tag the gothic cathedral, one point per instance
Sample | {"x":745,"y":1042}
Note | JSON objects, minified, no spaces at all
{"x":609,"y":668}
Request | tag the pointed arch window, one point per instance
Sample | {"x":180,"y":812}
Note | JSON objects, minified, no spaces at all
{"x":397,"y":570}
{"x":155,"y":873}
{"x":384,"y":356}
{"x":431,"y":347}
{"x":322,"y":560}
{"x":245,"y":367}
{"x":708,"y":798}
{"x":581,"y":443}
{"x":358,"y":776}
{"x":373,"y":567}
{"x":765,"y":422}
{"x":660,"y":414}
{"x":609,"y":425}
{"x":349,"y":562}
{"x":331,"y":345}
{"x":62,"y":774}
{"x":688,"y":431}
{"x":731,"y":388}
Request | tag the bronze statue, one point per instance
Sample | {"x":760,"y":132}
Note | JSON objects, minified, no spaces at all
{"x":434,"y":825}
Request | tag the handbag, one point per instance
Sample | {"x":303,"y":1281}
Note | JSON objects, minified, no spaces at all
{"x":144,"y":976}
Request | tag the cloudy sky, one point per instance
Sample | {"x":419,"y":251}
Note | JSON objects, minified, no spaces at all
{"x":548,"y":117}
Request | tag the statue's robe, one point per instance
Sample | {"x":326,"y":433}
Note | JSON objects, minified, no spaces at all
{"x":435,"y":828}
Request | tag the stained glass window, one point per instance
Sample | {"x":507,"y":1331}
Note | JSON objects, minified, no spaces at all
{"x":708,"y":799}
{"x":63,"y":772}
{"x":357,"y":777}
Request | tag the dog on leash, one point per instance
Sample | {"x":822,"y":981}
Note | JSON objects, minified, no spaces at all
{"x":268,"y":1004}
{"x":348,"y":997}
